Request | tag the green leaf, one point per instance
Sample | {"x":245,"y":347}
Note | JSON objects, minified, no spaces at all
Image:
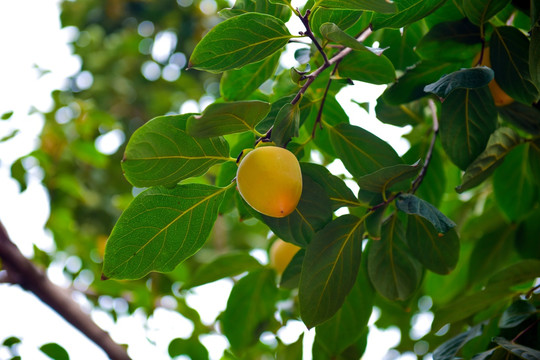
{"x":270,"y":119}
{"x":449,"y":349}
{"x":408,"y":12}
{"x":514,"y":189}
{"x":450,"y":41}
{"x":250,"y":305}
{"x":338,"y":192}
{"x":410,"y":86}
{"x":401,"y":115}
{"x":534,"y":55}
{"x":227,"y":265}
{"x":313,"y":212}
{"x":524,"y":352}
{"x":239,"y":84}
{"x":374,"y":221}
{"x":9,"y":136}
{"x":291,"y":275}
{"x":465,"y":78}
{"x":515,"y":274}
{"x":54,"y":351}
{"x":18,"y":173}
{"x":368,"y":67}
{"x":227,"y":118}
{"x":370,"y":5}
{"x":517,"y":313}
{"x":347,"y":325}
{"x":394,"y":273}
{"x":413,"y":205}
{"x":332,"y":114}
{"x":468,"y":118}
{"x":383,"y":179}
{"x":499,"y":145}
{"x":6,"y":115}
{"x":509,"y":55}
{"x":343,"y":18}
{"x":239,"y":41}
{"x":161,"y":153}
{"x":534,"y":160}
{"x":361,"y":152}
{"x":190,"y":347}
{"x":286,"y":125}
{"x":11,"y":341}
{"x":160,"y":229}
{"x":399,"y":45}
{"x":523,"y":116}
{"x":480,"y":11}
{"x":527,"y":243}
{"x":437,"y":253}
{"x":333,"y":33}
{"x":259,"y":6}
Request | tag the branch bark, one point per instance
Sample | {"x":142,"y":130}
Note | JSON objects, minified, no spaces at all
{"x":24,"y":273}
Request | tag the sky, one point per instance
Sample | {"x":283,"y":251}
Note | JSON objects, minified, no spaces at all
{"x":33,"y":41}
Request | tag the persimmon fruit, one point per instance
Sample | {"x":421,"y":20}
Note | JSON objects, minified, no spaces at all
{"x":281,"y":254}
{"x":270,"y":181}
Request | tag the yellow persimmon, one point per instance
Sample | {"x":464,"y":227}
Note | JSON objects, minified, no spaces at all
{"x":281,"y":254}
{"x":270,"y":180}
{"x":499,"y":96}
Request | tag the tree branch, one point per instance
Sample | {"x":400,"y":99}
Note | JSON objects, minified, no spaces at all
{"x":23,"y":272}
{"x":418,"y":181}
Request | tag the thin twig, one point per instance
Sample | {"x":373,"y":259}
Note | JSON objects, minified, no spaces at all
{"x":323,"y":100}
{"x":418,"y":181}
{"x":309,"y":34}
{"x":525,"y":330}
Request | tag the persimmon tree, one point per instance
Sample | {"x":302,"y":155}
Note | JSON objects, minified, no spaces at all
{"x":453,"y":220}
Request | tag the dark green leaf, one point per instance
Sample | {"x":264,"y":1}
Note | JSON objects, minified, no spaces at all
{"x":437,"y":253}
{"x":332,"y":114}
{"x":468,"y":118}
{"x":408,"y":12}
{"x":9,"y":136}
{"x":383,"y":179}
{"x":411,"y":85}
{"x":374,"y":221}
{"x":344,"y":18}
{"x":10,"y":341}
{"x":260,"y":6}
{"x":361,"y":152}
{"x":480,"y":11}
{"x":465,"y":78}
{"x":161,"y":228}
{"x":291,"y":275}
{"x":338,"y":192}
{"x":370,"y":5}
{"x":401,"y":115}
{"x":239,"y":41}
{"x":518,"y":312}
{"x":393,"y":271}
{"x":250,"y":305}
{"x":449,"y":349}
{"x":286,"y":125}
{"x":348,"y":324}
{"x":368,"y":67}
{"x":413,"y":205}
{"x":527,"y":243}
{"x":230,"y":264}
{"x":330,"y":269}
{"x":227,"y":118}
{"x":313,"y":212}
{"x":514,"y":189}
{"x":523,"y":116}
{"x":509,"y":55}
{"x":269,"y":120}
{"x":161,"y":153}
{"x":54,"y":351}
{"x":515,"y":274}
{"x":6,"y":115}
{"x":190,"y":347}
{"x":18,"y":173}
{"x":239,"y":84}
{"x":499,"y":145}
{"x":523,"y":352}
{"x":534,"y":160}
{"x":333,"y":33}
{"x":534,"y":55}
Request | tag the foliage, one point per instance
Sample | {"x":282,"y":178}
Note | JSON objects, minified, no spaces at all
{"x":454,"y":220}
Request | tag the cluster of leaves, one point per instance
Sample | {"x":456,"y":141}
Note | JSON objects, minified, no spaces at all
{"x":431,"y":45}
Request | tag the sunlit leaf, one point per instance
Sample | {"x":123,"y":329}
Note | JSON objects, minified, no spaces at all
{"x":344,"y":18}
{"x":260,"y":6}
{"x":368,"y":67}
{"x":408,"y":12}
{"x":371,"y":5}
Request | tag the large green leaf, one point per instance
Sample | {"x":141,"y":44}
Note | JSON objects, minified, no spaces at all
{"x":333,"y":33}
{"x":250,"y":305}
{"x":523,"y":116}
{"x":330,"y":268}
{"x":399,"y":44}
{"x":286,"y":125}
{"x":509,"y":55}
{"x":227,"y":118}
{"x":515,"y":274}
{"x":449,"y":349}
{"x":160,"y":229}
{"x":239,"y":41}
{"x":408,"y":12}
{"x":401,"y":115}
{"x":499,"y":145}
{"x":332,"y":114}
{"x":162,"y":153}
{"x":480,"y":11}
{"x":338,"y":192}
{"x":239,"y":84}
{"x":361,"y":152}
{"x":437,"y":253}
{"x":462,"y":79}
{"x":368,"y":67}
{"x":260,"y":6}
{"x":348,"y":324}
{"x":370,"y":5}
{"x":313,"y":212}
{"x":393,"y":271}
{"x":344,"y":18}
{"x":230,"y":264}
{"x":383,"y":179}
{"x":534,"y":55}
{"x":413,"y":205}
{"x":524,"y":352}
{"x":515,"y":190}
{"x":534,"y":160}
{"x":468,"y":118}
{"x":517,"y":313}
